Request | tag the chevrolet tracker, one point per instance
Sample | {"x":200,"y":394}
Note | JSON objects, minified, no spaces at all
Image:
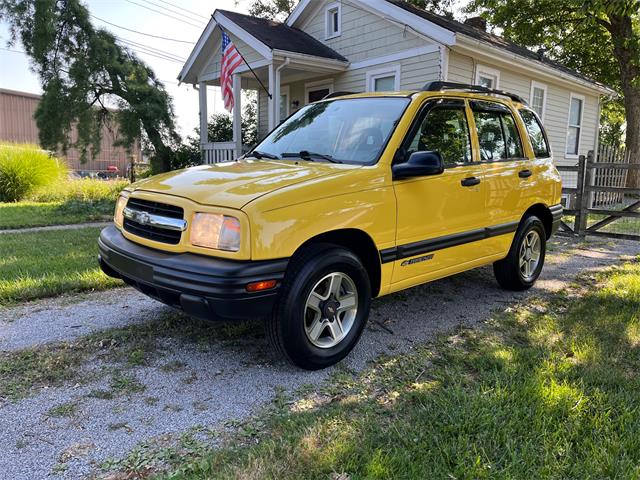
{"x":351,"y":198}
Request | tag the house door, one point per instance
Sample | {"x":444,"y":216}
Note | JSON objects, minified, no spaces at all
{"x":441,"y":217}
{"x":316,"y":92}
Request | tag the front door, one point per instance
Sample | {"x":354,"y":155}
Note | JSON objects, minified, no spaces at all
{"x":440,"y":217}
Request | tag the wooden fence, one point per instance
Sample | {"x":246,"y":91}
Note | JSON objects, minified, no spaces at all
{"x":602,"y":199}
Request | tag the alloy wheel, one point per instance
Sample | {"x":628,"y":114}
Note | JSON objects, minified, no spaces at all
{"x":330,"y":310}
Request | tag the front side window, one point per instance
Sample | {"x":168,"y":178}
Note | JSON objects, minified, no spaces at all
{"x":344,"y":130}
{"x":497,"y":132}
{"x":445,"y":130}
{"x":536,"y":134}
{"x":575,"y":125}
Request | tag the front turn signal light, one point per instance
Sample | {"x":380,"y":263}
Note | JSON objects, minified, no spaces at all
{"x":261,"y":286}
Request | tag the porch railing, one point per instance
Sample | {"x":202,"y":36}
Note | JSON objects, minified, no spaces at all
{"x":219,"y":152}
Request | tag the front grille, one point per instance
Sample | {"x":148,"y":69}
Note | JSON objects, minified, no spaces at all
{"x":157,"y":234}
{"x":156,"y":208}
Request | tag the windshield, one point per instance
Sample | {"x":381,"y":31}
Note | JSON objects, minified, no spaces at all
{"x":342,"y":131}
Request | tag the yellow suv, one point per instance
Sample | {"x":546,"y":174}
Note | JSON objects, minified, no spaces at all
{"x":351,"y":198}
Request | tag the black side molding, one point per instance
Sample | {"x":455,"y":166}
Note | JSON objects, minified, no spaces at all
{"x":427,"y":246}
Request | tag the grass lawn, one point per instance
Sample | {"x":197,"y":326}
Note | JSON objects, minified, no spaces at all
{"x":44,"y":264}
{"x":552,"y":391}
{"x":36,"y":214}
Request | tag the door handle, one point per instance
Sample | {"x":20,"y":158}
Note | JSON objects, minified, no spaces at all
{"x":470,"y":181}
{"x":525,"y":173}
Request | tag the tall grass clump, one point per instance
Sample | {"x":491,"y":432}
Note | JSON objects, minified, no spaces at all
{"x":81,"y":190}
{"x":24,"y":168}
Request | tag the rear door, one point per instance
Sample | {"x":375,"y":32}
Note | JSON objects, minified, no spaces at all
{"x":439,"y":216}
{"x":508,"y":172}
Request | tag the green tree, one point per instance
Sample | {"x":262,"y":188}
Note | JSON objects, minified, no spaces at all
{"x":600,"y":38}
{"x":89,"y":81}
{"x":280,"y":9}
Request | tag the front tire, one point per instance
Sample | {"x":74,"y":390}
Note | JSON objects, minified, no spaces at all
{"x":523,"y":265}
{"x":323,"y":307}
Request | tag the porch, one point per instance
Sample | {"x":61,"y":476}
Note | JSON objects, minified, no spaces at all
{"x":286,"y":67}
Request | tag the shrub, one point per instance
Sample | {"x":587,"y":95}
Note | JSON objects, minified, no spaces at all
{"x":23,"y":168}
{"x":83,"y":190}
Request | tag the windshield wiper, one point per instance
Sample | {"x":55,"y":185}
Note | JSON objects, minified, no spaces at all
{"x":311,"y":156}
{"x":260,"y":155}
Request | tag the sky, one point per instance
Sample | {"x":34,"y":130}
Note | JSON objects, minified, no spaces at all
{"x":147,"y":16}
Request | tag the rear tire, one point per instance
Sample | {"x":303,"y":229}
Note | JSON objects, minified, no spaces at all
{"x":323,"y":307}
{"x":523,"y":265}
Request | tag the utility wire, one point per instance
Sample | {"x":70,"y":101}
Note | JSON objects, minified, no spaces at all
{"x":150,"y":48}
{"x":13,"y":51}
{"x":176,"y":12}
{"x":165,"y":14}
{"x":186,"y":10}
{"x":142,"y":33}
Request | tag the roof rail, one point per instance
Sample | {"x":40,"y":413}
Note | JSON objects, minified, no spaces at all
{"x":438,"y":86}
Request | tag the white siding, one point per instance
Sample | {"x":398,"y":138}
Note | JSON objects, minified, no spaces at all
{"x":364,"y":34}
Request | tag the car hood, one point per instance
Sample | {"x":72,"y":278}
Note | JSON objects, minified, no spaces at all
{"x":235,"y":184}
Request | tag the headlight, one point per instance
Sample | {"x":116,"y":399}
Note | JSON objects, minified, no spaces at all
{"x":215,"y":231}
{"x":118,"y":216}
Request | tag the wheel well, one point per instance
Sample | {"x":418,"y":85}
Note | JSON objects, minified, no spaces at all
{"x":544,"y":214}
{"x":360,"y":244}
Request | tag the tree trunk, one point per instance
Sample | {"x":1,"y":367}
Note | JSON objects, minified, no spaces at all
{"x":627,"y":52}
{"x":632,"y":107}
{"x":163,"y":154}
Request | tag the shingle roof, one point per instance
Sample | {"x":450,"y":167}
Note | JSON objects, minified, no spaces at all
{"x":279,"y":36}
{"x":495,"y":40}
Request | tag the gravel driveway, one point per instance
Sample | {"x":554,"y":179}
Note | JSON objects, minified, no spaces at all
{"x":189,"y":387}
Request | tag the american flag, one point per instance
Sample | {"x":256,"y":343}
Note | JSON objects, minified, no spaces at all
{"x":231,"y":60}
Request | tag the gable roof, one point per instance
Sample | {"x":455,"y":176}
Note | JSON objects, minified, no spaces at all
{"x":279,"y":36}
{"x":494,"y":40}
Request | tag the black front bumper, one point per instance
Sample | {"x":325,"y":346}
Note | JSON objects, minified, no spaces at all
{"x":204,"y":287}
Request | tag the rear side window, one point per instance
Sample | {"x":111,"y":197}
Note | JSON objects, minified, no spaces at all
{"x":536,"y":133}
{"x":497,"y":132}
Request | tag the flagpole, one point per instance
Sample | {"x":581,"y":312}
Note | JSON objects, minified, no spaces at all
{"x":251,"y":69}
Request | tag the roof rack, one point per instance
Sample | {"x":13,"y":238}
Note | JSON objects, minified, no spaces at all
{"x":438,"y":86}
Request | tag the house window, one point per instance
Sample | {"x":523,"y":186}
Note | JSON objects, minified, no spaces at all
{"x":538,"y":98}
{"x":487,"y":77}
{"x":333,"y":20}
{"x":574,"y":132}
{"x":385,"y":80}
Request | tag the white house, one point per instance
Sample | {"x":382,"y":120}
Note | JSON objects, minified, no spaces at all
{"x":328,"y":46}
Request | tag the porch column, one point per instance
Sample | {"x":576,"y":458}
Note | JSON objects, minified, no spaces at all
{"x":204,"y":130}
{"x":237,"y":114}
{"x":272,"y":96}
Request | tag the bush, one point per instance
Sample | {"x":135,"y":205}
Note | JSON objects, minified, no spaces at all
{"x":82,"y":190}
{"x":23,"y":168}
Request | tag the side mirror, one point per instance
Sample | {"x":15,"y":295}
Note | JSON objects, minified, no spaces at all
{"x":420,"y":164}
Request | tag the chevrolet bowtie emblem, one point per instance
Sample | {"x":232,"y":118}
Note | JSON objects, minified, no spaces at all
{"x":143,"y":218}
